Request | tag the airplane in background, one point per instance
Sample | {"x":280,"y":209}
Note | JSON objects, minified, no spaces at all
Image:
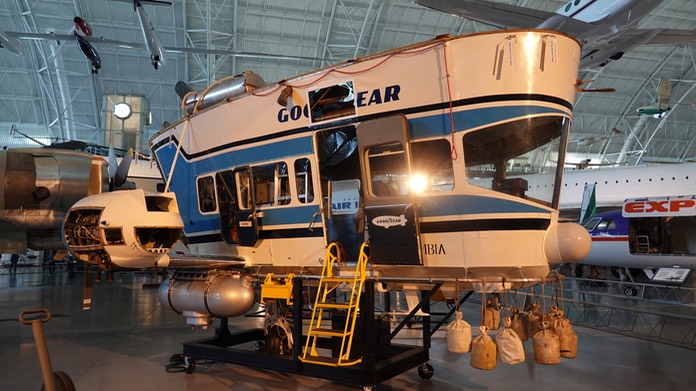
{"x":8,"y":39}
{"x":660,"y":105}
{"x":39,"y":185}
{"x":610,"y":188}
{"x":615,"y":184}
{"x":648,"y":233}
{"x":606,"y":28}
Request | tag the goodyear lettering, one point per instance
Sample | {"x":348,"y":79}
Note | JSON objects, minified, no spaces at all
{"x":391,"y":93}
{"x":295,"y":113}
{"x":389,"y":221}
{"x":363,"y":99}
{"x":434,"y":249}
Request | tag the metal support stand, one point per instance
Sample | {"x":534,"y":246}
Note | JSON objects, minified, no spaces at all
{"x":381,"y":361}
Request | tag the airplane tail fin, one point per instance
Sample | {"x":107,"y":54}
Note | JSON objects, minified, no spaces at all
{"x":589,"y":204}
{"x":664,"y":92}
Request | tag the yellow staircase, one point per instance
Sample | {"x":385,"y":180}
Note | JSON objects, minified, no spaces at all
{"x":328,"y":284}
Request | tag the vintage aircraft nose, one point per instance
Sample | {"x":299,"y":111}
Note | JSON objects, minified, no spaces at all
{"x":567,"y":242}
{"x":124,"y":229}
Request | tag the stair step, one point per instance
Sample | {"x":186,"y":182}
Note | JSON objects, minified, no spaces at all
{"x":347,"y":280}
{"x":329,"y":361}
{"x":337,"y":306}
{"x":329,"y":332}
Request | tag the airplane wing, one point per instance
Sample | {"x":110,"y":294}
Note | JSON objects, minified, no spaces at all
{"x":506,"y":16}
{"x":673,"y":37}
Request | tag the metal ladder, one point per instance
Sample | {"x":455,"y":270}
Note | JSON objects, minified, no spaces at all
{"x":329,"y":284}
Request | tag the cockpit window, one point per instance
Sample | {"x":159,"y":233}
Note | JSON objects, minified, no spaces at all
{"x":499,"y":156}
{"x":606,"y":224}
{"x":591,"y":224}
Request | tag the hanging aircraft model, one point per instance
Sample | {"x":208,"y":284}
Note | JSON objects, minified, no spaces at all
{"x":10,"y":43}
{"x":660,"y":105}
{"x":8,"y":40}
{"x":378,"y":152}
{"x":89,"y":52}
{"x":606,"y":29}
{"x":152,"y":41}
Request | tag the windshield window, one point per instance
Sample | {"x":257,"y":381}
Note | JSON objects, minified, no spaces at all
{"x":498,"y":157}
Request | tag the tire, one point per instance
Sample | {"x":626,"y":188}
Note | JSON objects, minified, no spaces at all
{"x":275,"y":342}
{"x":63,"y":382}
{"x":189,"y":365}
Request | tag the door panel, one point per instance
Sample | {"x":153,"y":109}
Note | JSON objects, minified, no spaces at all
{"x":390,"y":205}
{"x":246,"y":212}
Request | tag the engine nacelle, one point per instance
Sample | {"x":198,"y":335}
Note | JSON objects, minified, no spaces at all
{"x":200,"y":297}
{"x":41,"y":184}
{"x":123,"y":229}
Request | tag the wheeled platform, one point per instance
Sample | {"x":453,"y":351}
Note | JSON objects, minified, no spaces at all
{"x":381,"y":359}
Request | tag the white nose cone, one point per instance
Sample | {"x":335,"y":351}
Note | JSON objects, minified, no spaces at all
{"x":567,"y":242}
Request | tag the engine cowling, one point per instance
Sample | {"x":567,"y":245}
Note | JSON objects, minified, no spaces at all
{"x":123,"y":229}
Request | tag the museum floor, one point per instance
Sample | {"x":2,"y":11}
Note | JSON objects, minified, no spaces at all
{"x":127,"y":339}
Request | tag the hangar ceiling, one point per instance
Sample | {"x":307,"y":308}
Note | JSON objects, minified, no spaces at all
{"x":50,"y":95}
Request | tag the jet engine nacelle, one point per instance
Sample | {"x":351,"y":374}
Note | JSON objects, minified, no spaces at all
{"x":200,"y":298}
{"x":123,"y":229}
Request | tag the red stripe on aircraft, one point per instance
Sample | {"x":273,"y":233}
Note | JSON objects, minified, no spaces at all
{"x":610,"y":238}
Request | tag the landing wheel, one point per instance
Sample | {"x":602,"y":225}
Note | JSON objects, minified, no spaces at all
{"x":63,"y":382}
{"x":426,"y":371}
{"x":277,"y":342}
{"x":189,"y":365}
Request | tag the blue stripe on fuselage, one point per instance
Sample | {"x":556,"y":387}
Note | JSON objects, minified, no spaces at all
{"x":183,"y":182}
{"x":265,"y":153}
{"x":287,"y":215}
{"x":440,"y":125}
{"x":458,"y":204}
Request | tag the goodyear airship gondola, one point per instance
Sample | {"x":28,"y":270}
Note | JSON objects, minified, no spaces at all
{"x":406,"y":163}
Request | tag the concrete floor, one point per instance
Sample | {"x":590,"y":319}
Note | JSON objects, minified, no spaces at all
{"x":127,"y":339}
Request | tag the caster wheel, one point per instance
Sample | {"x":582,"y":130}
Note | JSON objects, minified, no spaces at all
{"x":189,"y":365}
{"x":425,"y":371}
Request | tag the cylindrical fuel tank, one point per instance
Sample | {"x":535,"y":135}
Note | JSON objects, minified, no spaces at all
{"x":201,"y":296}
{"x":226,"y":88}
